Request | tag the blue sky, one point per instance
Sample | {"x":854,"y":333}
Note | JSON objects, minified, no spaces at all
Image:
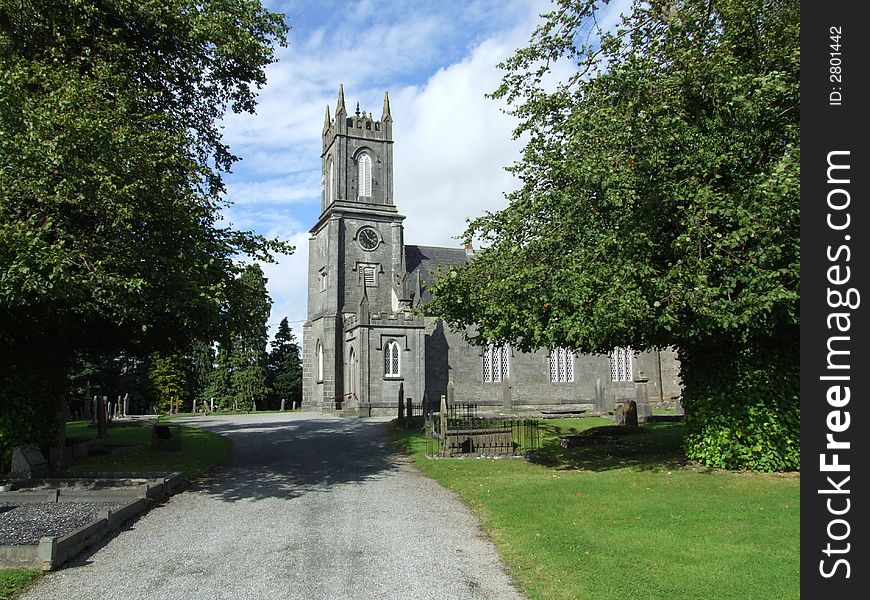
{"x":437,"y":60}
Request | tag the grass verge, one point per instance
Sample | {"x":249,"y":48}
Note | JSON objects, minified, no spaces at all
{"x":198,"y":450}
{"x":627,"y":517}
{"x":14,"y":581}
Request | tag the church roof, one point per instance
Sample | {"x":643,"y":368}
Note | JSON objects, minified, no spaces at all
{"x":426,"y":260}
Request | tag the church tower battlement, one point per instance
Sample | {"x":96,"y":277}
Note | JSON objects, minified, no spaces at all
{"x":357,"y":155}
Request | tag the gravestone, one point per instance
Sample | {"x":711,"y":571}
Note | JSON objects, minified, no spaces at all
{"x":644,"y":410}
{"x":450,"y":393}
{"x":409,"y":413}
{"x":28,"y":462}
{"x":599,"y":395}
{"x":630,"y":409}
{"x":101,"y":415}
{"x":506,"y":401}
{"x":282,"y":404}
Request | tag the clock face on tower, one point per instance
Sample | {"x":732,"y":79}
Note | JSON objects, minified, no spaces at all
{"x":368,"y":238}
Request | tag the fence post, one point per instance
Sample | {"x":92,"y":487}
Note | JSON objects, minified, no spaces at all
{"x":401,"y":414}
{"x":443,"y":423}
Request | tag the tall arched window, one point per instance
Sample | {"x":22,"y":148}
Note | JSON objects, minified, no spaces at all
{"x":620,"y":364}
{"x":364,"y":172}
{"x":319,"y":353}
{"x":330,"y":183}
{"x":495,"y":364}
{"x":561,"y":365}
{"x":391,"y":359}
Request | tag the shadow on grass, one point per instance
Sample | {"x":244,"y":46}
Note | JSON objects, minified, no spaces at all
{"x":653,"y":447}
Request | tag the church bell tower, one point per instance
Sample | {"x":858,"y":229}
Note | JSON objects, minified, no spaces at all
{"x":356,"y":249}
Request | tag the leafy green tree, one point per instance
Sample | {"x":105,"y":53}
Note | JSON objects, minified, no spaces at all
{"x":249,"y":315}
{"x":659,"y":206}
{"x":111,"y":165}
{"x":218,"y":381}
{"x":200,"y":365}
{"x":285,"y":368}
{"x":169,"y":378}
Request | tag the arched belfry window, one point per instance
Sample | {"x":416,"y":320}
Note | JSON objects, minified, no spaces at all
{"x":319,"y":356}
{"x":392,"y":362}
{"x":330,"y":182}
{"x":364,"y":172}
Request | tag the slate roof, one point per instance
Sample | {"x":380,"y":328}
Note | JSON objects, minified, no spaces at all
{"x":426,"y":260}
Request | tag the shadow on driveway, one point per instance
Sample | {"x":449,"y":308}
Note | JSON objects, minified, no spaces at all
{"x":284,"y":456}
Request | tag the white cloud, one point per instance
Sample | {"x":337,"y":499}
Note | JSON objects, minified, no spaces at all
{"x":287,"y":284}
{"x":281,"y":190}
{"x":451,"y":143}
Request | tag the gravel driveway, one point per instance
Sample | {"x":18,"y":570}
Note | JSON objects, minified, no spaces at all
{"x":309,"y":507}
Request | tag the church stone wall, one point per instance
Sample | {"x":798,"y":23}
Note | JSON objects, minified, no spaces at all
{"x":451,"y":358}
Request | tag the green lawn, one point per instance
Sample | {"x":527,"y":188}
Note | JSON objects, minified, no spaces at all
{"x":629,"y":518}
{"x":199,"y":450}
{"x":14,"y":581}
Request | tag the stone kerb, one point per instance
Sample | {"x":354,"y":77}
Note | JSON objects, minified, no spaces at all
{"x":53,"y":551}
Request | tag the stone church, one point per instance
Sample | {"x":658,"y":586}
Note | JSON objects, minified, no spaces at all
{"x":363,"y":340}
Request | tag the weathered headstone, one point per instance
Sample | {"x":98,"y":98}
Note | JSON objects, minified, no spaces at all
{"x":599,"y":395}
{"x":619,"y":414}
{"x":644,"y":410}
{"x":282,"y":404}
{"x":450,"y":393}
{"x":28,"y":462}
{"x":212,"y":405}
{"x":101,"y":416}
{"x":126,"y":404}
{"x":506,"y":401}
{"x":630,"y":408}
{"x":409,"y":413}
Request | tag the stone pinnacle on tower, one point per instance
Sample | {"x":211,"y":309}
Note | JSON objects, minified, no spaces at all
{"x":340,"y":107}
{"x":386,"y":114}
{"x":327,"y":120}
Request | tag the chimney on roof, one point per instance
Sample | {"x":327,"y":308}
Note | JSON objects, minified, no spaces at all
{"x":469,"y":249}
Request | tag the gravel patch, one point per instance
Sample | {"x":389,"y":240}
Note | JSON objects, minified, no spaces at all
{"x":25,"y":523}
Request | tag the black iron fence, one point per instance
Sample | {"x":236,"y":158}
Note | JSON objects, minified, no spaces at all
{"x":463,"y":435}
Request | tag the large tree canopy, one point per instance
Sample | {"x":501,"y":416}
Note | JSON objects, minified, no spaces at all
{"x":110,"y":175}
{"x":659,"y":206}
